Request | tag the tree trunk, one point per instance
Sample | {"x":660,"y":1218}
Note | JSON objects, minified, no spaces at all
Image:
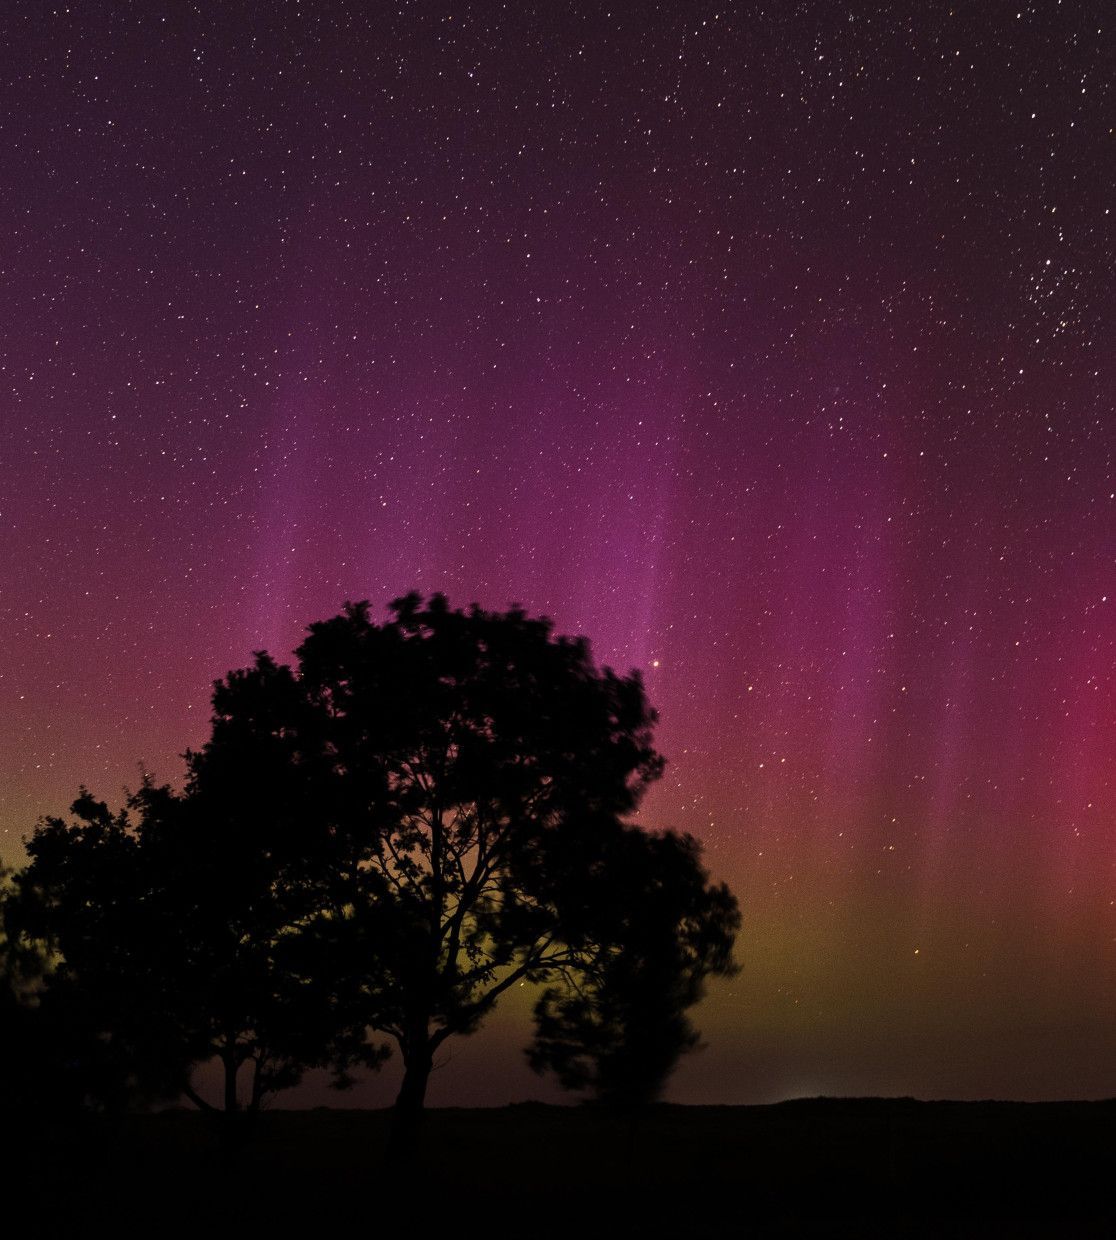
{"x":230,"y":1118}
{"x":257,"y":1085}
{"x":418,"y":1061}
{"x":230,"y":1063}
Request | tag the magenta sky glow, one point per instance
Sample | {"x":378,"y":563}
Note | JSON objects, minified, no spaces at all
{"x":770,"y":346}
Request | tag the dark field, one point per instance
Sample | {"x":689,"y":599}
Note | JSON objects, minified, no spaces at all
{"x":817,"y":1167}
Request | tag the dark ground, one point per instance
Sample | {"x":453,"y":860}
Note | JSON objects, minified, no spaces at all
{"x":816,"y":1167}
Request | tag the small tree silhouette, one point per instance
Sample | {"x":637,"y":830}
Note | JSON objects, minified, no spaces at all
{"x":80,"y":880}
{"x":180,"y":942}
{"x":28,"y":1067}
{"x":619,"y":1026}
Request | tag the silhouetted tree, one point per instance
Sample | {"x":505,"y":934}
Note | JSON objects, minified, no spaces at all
{"x":21,"y":968}
{"x":470,"y":773}
{"x":53,"y":1057}
{"x":22,"y":962}
{"x":180,"y":942}
{"x":618,"y":1026}
{"x":467,"y":767}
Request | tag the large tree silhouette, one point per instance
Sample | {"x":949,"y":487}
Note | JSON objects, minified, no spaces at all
{"x":471,"y":773}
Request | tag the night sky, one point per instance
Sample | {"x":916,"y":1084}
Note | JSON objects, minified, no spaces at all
{"x":770,"y":346}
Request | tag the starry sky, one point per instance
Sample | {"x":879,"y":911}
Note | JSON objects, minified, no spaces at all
{"x":769,"y":345}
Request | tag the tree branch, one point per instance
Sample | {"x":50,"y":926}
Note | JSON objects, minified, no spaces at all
{"x":198,"y":1100}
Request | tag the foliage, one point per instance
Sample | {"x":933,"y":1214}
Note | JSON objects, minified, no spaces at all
{"x":619,"y":1026}
{"x":179,"y":943}
{"x":49,"y":1057}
